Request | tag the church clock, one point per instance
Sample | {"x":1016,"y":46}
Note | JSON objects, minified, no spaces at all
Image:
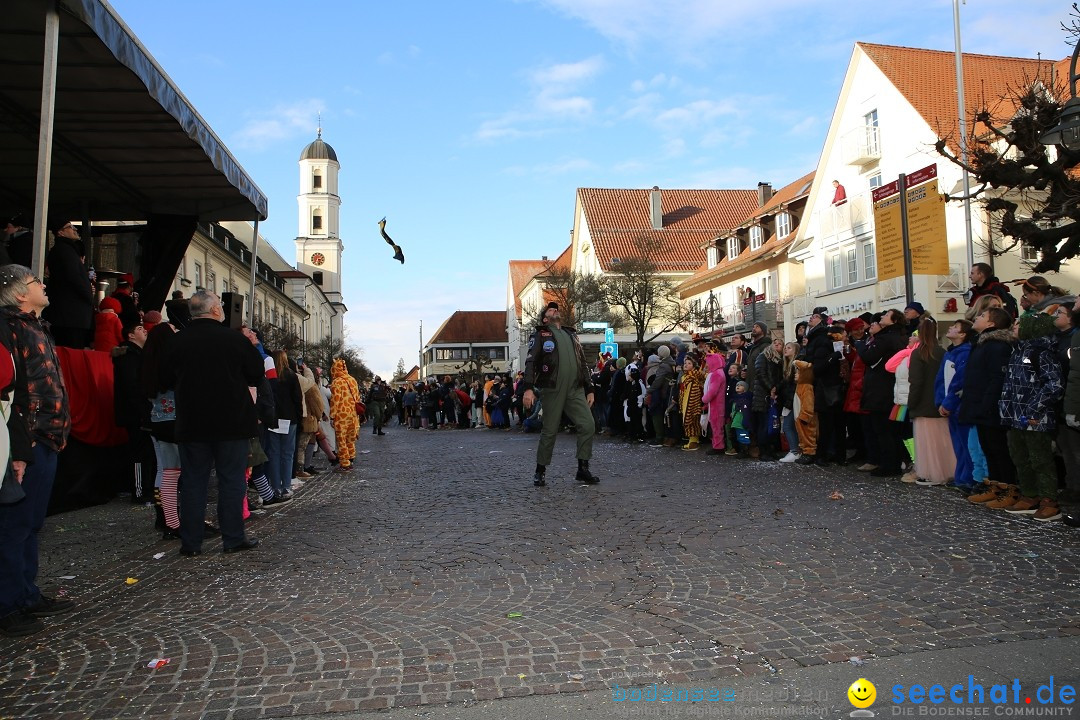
{"x":317,"y":259}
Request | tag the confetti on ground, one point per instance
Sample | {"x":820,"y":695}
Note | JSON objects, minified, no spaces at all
{"x":67,"y":577}
{"x":132,"y":581}
{"x":157,"y":662}
{"x":836,"y":495}
{"x":513,"y":615}
{"x":158,"y":556}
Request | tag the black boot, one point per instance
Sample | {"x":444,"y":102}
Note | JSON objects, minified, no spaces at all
{"x":583,"y":474}
{"x":538,"y":476}
{"x":159,"y":512}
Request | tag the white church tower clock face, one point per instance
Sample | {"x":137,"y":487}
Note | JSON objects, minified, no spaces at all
{"x":317,"y":259}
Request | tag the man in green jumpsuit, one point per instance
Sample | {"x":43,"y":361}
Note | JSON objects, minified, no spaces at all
{"x":556,"y":366}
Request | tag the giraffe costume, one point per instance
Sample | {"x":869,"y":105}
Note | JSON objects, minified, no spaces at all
{"x":344,"y":394}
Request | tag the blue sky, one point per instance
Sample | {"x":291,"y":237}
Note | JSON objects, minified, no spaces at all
{"x":470,"y":124}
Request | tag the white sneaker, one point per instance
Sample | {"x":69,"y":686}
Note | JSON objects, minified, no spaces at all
{"x":790,"y":458}
{"x":296,"y":484}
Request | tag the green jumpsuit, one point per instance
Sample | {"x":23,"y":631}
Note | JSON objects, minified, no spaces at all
{"x":569,"y":397}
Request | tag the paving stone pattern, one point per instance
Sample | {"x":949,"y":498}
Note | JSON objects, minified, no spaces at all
{"x":393,"y":586}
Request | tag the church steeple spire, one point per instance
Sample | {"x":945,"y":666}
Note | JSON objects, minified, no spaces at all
{"x":319,"y":133}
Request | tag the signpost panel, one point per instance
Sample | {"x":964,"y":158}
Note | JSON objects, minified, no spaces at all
{"x":609,"y":347}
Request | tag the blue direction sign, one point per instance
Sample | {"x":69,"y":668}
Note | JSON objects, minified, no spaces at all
{"x":609,"y":347}
{"x":609,"y":335}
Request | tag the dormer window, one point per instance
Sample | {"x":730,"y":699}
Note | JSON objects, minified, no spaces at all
{"x":712,"y":254}
{"x":733,"y":247}
{"x":783,"y":225}
{"x":757,"y":237}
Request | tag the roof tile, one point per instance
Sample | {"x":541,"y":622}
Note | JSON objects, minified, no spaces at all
{"x":616,"y":218}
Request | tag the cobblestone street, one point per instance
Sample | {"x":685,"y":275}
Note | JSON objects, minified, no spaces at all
{"x":437,"y":573}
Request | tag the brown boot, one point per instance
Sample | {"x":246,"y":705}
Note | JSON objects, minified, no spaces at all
{"x":1048,"y":510}
{"x":989,"y":493}
{"x":1009,"y":498}
{"x":1024,"y":506}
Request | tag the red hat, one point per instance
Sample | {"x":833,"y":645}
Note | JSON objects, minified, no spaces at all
{"x":125,"y":279}
{"x":110,"y":304}
{"x":854,"y":325}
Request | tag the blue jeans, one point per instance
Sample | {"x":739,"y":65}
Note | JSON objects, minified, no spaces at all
{"x":792,"y":435}
{"x":979,"y":469}
{"x":229,"y":459}
{"x":280,"y":449}
{"x":959,"y":435}
{"x":20,"y":525}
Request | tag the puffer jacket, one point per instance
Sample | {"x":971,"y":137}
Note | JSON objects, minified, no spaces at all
{"x":1032,"y":386}
{"x":984,"y":377}
{"x":828,"y":380}
{"x":767,"y":377}
{"x":853,"y":398}
{"x":542,"y":362}
{"x":899,"y":366}
{"x":949,"y":383}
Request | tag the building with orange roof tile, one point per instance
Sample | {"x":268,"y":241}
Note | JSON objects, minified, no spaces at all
{"x":894,"y":104}
{"x":526,"y":294}
{"x":746,"y":271}
{"x":464,"y":335}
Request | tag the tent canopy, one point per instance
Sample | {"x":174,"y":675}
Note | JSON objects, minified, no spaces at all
{"x":127,"y":144}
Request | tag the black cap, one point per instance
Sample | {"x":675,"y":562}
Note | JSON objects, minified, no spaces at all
{"x":552,"y":306}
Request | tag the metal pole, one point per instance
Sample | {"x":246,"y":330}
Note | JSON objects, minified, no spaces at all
{"x":963,"y":134}
{"x":909,"y":292}
{"x":254,"y":261}
{"x":45,"y":137}
{"x":421,"y":366}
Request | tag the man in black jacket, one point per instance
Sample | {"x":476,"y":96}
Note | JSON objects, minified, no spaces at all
{"x":71,"y":299}
{"x":215,"y":371}
{"x":556,"y":366}
{"x":132,"y":412}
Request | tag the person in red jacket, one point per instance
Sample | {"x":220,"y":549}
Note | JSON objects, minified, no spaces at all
{"x":856,"y":417}
{"x":108,"y":330}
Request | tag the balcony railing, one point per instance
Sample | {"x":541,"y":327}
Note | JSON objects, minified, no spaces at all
{"x":860,"y":146}
{"x":848,"y":219}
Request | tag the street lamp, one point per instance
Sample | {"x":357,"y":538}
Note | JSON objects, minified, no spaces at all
{"x":1067,"y":131}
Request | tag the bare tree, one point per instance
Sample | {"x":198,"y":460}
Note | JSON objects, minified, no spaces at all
{"x":645,"y":296}
{"x":581,"y":298}
{"x":1032,"y":192}
{"x":323,"y":353}
{"x":400,"y":371}
{"x":473,"y":368}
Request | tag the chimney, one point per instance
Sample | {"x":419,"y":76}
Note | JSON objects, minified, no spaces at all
{"x":544,"y":258}
{"x":764,"y":193}
{"x":656,"y":213}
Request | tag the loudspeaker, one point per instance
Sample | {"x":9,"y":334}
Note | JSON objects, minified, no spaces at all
{"x":233,"y":305}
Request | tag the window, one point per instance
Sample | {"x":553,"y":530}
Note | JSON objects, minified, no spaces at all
{"x":317,"y":276}
{"x":875,"y":180}
{"x":451,"y":354}
{"x":247,"y":302}
{"x":316,"y":222}
{"x":712,"y":254}
{"x":783,"y":225}
{"x":274,"y":318}
{"x":211,"y":279}
{"x":1029,"y":252}
{"x":224,"y":285}
{"x":198,"y":275}
{"x":852,"y":266}
{"x":870,"y":120}
{"x":869,"y":261}
{"x":733,"y":248}
{"x":757,"y":237}
{"x":316,"y":181}
{"x":836,"y":271}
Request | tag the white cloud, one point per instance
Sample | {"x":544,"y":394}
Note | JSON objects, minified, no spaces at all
{"x":553,"y":97}
{"x":283,"y":121}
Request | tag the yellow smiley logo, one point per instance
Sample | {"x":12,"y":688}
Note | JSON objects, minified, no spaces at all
{"x":862,"y":693}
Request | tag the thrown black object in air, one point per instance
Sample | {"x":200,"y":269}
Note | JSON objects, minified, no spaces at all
{"x":398,"y":255}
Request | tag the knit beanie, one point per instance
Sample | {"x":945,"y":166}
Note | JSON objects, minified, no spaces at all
{"x":1036,"y":325}
{"x":663,"y":352}
{"x":653,"y":360}
{"x":110,"y":304}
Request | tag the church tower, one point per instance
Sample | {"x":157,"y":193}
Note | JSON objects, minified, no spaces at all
{"x":318,"y":239}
